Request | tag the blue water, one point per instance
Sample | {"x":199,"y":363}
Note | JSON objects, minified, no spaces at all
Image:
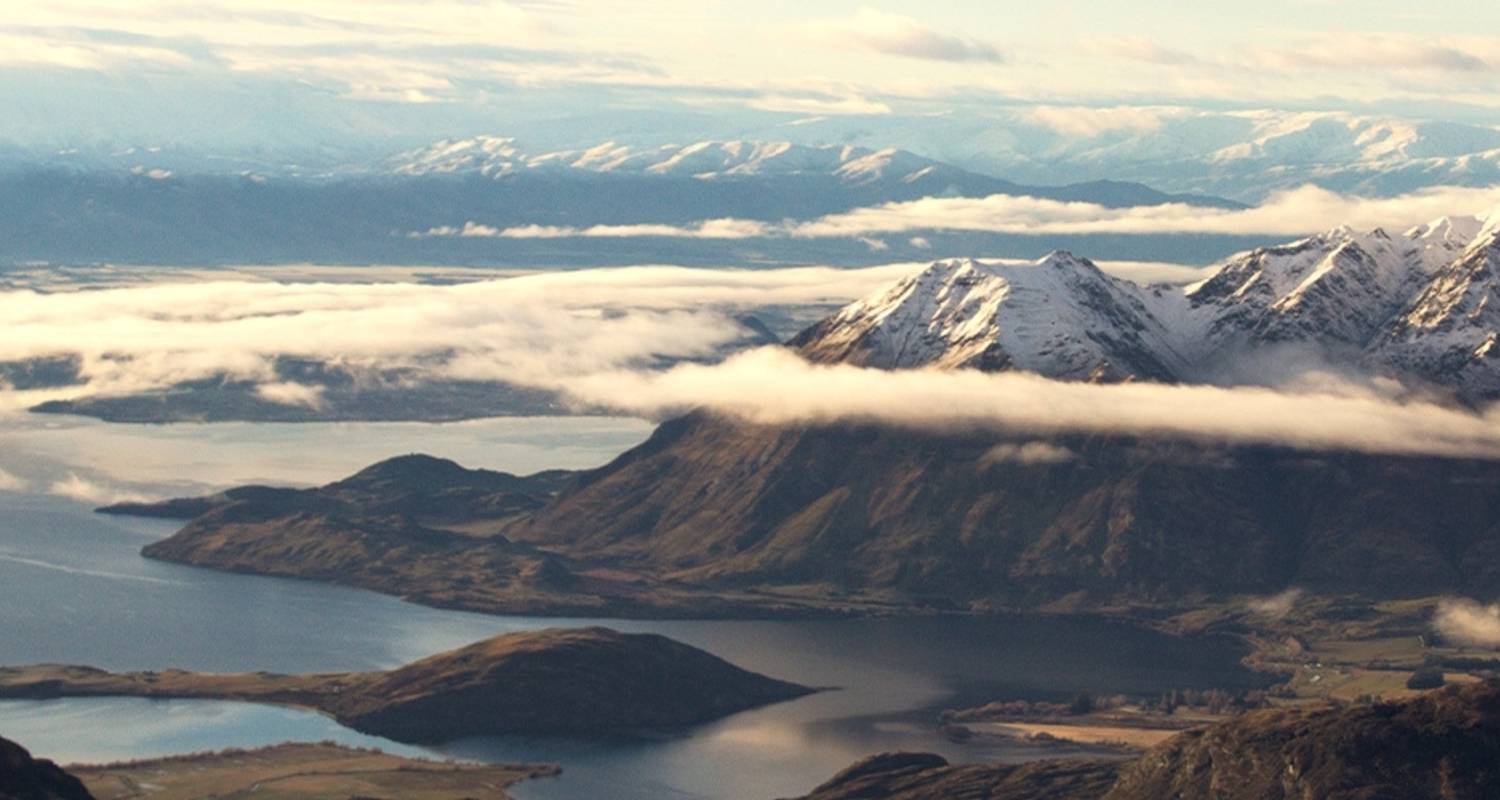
{"x":73,"y":588}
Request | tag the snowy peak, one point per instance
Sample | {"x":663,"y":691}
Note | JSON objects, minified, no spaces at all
{"x":1450,"y":334}
{"x":1422,"y":307}
{"x":498,"y":157}
{"x":1336,"y":288}
{"x":1060,"y":316}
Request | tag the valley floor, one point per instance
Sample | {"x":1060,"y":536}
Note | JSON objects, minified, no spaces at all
{"x":303,"y":772}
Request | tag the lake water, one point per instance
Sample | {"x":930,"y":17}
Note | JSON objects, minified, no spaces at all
{"x":73,"y":588}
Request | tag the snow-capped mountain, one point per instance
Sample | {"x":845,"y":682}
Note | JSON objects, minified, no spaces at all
{"x":1060,"y":316}
{"x":1450,"y":334}
{"x":497,"y":156}
{"x":1243,"y":155}
{"x":1422,"y":306}
{"x":1336,"y":288}
{"x":881,"y":174}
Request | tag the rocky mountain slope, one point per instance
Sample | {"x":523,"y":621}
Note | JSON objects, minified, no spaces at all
{"x":548,"y":681}
{"x":1060,"y":317}
{"x":1445,"y":744}
{"x":1420,"y":306}
{"x":973,"y":517}
{"x":23,"y":777}
{"x":429,"y":530}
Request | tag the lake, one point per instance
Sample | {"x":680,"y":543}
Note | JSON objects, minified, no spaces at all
{"x":75,"y":589}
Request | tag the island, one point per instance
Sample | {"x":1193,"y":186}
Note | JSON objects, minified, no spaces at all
{"x":585,"y":680}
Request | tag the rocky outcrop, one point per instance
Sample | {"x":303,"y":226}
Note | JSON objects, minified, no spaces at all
{"x":1445,"y":744}
{"x":23,"y":777}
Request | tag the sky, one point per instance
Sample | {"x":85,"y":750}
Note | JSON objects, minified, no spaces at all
{"x":346,"y":68}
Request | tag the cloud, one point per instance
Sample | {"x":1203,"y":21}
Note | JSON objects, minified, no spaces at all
{"x":1277,"y":605}
{"x":519,"y":328}
{"x":1139,"y":48}
{"x":1026,"y":453}
{"x":1086,"y":123}
{"x":851,"y":105}
{"x":287,"y":393}
{"x":774,"y":386}
{"x":1293,"y":212}
{"x":12,"y":483}
{"x":1468,"y":622}
{"x":1354,"y":51}
{"x":896,"y":35}
{"x":77,"y":487}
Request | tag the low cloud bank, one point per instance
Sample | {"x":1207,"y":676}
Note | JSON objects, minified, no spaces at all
{"x":603,"y":337}
{"x":1468,"y":622}
{"x":1303,"y":210}
{"x":91,"y":492}
{"x":529,"y":329}
{"x":772,"y":385}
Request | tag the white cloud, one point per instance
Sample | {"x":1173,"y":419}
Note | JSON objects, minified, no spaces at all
{"x":10,"y":482}
{"x":84,"y":490}
{"x":896,"y":35}
{"x":1277,"y":605}
{"x":1139,"y":48}
{"x":522,"y":328}
{"x":1469,"y":622}
{"x":772,"y":385}
{"x":1296,"y":211}
{"x":1292,"y":212}
{"x":1384,"y":52}
{"x":1026,"y":453}
{"x":287,"y":393}
{"x":851,"y":105}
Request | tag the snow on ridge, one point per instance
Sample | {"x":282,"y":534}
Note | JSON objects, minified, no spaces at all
{"x":497,"y":156}
{"x":1416,"y":306}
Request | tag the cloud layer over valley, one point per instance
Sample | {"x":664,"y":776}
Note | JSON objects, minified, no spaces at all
{"x":1290,"y":212}
{"x":630,"y":340}
{"x":774,"y":386}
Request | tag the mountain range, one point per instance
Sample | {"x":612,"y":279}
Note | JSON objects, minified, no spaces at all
{"x":416,"y":207}
{"x":1419,"y":305}
{"x":1242,"y":154}
{"x":715,"y":512}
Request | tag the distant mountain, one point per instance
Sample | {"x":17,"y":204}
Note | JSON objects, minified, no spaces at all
{"x":1423,"y":305}
{"x":1240,"y":154}
{"x":23,"y":777}
{"x":1444,"y":744}
{"x":896,"y":174}
{"x":413,"y":208}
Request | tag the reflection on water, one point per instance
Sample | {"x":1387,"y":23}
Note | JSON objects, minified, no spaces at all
{"x":76,"y":590}
{"x":121,"y":728}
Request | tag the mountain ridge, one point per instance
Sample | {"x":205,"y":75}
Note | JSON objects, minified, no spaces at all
{"x":1423,"y":305}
